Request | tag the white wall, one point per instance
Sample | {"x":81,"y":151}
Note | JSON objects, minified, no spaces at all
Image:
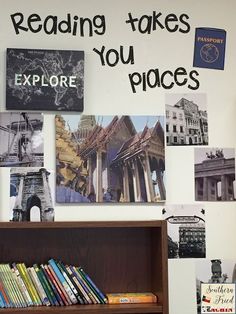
{"x":107,"y":92}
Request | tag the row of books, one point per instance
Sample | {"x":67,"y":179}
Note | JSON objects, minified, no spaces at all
{"x":51,"y":284}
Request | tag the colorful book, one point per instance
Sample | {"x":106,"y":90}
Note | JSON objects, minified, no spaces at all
{"x":38,"y":286}
{"x":54,"y":286}
{"x":79,"y":285}
{"x":117,"y":298}
{"x":49,"y":286}
{"x":66,"y":299}
{"x":44,"y":283}
{"x":92,"y":285}
{"x":22,"y":286}
{"x":71,"y":283}
{"x":63,"y":281}
{"x":4,"y":294}
{"x":6,"y":287}
{"x":209,"y":48}
{"x":29,"y":284}
{"x":86,"y":287}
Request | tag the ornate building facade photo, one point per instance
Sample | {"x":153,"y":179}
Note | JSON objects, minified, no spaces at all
{"x":119,"y":159}
{"x":186,"y":120}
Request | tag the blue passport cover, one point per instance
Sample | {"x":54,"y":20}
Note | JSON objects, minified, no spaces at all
{"x":209,"y":49}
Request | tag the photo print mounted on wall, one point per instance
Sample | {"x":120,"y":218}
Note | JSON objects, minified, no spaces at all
{"x":186,"y":230}
{"x":110,"y":159}
{"x":21,"y":139}
{"x":39,"y":79}
{"x":30,"y":194}
{"x":214,"y":171}
{"x":214,"y":272}
{"x":186,"y":119}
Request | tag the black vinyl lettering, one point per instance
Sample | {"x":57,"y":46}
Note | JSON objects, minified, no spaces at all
{"x":116,"y":57}
{"x":182,"y":20}
{"x":65,"y":25}
{"x":34,"y":18}
{"x":156,"y":78}
{"x":145,"y":24}
{"x":90,"y":26}
{"x":17,"y":20}
{"x":135,"y":79}
{"x":180,"y":72}
{"x":169,"y":19}
{"x":163,"y":77}
{"x":100,"y":53}
{"x":191,"y":75}
{"x":130,"y":58}
{"x":46,"y":25}
{"x":131,"y":21}
{"x":156,"y":21}
{"x":100,"y":23}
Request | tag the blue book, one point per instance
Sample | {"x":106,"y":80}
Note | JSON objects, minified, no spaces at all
{"x":2,"y":301}
{"x":209,"y":48}
{"x":63,"y":281}
{"x":92,"y":285}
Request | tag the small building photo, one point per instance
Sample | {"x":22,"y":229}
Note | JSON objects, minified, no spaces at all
{"x":186,"y":119}
{"x":214,"y":172}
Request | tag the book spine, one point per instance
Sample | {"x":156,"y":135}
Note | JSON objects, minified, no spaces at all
{"x":34,"y":291}
{"x":59,"y":287}
{"x":18,"y":288}
{"x":22,"y":286}
{"x":38,"y":285}
{"x":43,"y":282}
{"x":76,"y":291}
{"x":91,"y":293}
{"x":92,"y":285}
{"x":2,"y":301}
{"x":112,"y":299}
{"x":83,"y":283}
{"x":11,"y":286}
{"x":63,"y":281}
{"x":4,"y":294}
{"x":53,"y":285}
{"x":49,"y":286}
{"x":7,"y":287}
{"x":78,"y":285}
{"x":27,"y":283}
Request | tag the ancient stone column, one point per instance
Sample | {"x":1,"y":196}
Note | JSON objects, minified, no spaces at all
{"x":47,"y":195}
{"x":17,"y":210}
{"x":90,"y":175}
{"x":126,"y":183}
{"x":205,"y":189}
{"x":148,"y":178}
{"x":161,"y":184}
{"x":99,"y":177}
{"x":136,"y":181}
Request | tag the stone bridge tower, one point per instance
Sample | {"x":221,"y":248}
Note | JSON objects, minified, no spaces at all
{"x":32,"y":190}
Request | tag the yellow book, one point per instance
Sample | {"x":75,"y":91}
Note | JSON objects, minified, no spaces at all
{"x":25,"y":277}
{"x":118,"y":298}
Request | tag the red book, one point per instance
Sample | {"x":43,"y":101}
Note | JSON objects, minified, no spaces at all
{"x":63,"y":294}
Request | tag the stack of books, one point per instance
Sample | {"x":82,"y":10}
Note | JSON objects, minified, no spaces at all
{"x":51,"y":284}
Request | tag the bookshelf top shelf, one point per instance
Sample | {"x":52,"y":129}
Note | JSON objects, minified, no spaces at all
{"x":80,"y":224}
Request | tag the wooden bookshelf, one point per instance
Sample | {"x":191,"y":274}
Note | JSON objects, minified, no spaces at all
{"x":120,"y":256}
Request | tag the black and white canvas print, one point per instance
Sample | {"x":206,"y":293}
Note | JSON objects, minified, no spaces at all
{"x":30,"y":194}
{"x":215,"y":271}
{"x":21,"y":139}
{"x":186,"y":231}
{"x":39,"y":79}
{"x":110,"y":159}
{"x":186,"y":119}
{"x":214,"y":172}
